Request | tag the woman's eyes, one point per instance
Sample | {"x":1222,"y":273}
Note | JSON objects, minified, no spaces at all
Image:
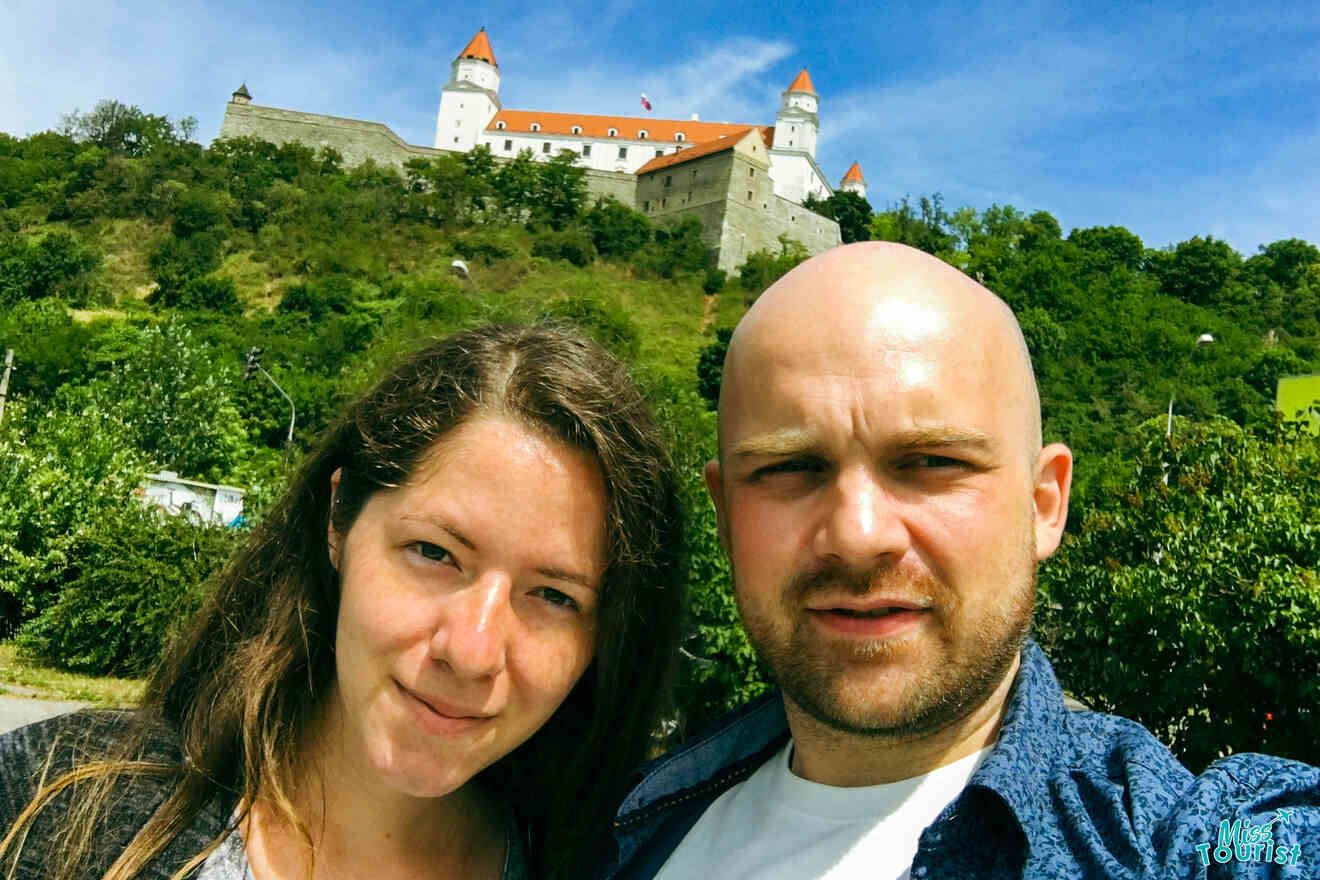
{"x":433,"y":552}
{"x":557,"y":598}
{"x":436,"y":553}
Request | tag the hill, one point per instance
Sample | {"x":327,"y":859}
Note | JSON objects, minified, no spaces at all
{"x":138,"y":270}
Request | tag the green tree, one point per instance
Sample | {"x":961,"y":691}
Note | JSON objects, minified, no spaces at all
{"x":125,"y":130}
{"x":1193,"y":606}
{"x":851,"y":211}
{"x":926,"y":227}
{"x":561,"y":190}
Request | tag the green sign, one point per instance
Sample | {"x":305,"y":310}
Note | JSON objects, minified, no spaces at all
{"x":1297,"y":395}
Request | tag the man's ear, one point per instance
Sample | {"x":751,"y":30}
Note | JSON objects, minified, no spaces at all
{"x":334,"y":540}
{"x":715,"y":485}
{"x":1054,"y":470}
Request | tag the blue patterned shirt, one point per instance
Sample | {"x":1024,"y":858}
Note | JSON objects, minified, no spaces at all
{"x":1062,"y":794}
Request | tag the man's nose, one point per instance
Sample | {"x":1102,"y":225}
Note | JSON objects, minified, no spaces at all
{"x":862,"y":523}
{"x":472,"y":636}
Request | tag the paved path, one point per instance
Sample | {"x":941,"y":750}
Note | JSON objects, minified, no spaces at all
{"x":15,"y":711}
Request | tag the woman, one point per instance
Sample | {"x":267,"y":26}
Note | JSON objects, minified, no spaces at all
{"x":438,"y":655}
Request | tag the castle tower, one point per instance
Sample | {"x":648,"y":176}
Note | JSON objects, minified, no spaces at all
{"x":471,"y":98}
{"x":797,"y":124}
{"x":241,"y":95}
{"x":853,"y":181}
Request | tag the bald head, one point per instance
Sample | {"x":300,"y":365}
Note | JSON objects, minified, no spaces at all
{"x":879,"y":306}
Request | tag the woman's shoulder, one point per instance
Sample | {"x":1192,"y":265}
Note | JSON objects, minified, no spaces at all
{"x":46,"y":749}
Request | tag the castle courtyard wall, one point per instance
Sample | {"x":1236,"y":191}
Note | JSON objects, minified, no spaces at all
{"x":356,"y":140}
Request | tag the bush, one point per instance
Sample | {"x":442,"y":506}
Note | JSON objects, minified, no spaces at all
{"x":334,"y":294}
{"x":138,"y":578}
{"x":573,"y":245}
{"x":485,"y":246}
{"x":211,"y":294}
{"x":176,"y":261}
{"x":1193,"y":607}
{"x":616,"y":229}
{"x":714,"y":281}
{"x":762,"y":268}
{"x":57,"y":265}
{"x":710,"y":367}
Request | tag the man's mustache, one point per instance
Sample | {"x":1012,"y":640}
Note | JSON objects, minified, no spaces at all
{"x":835,"y":577}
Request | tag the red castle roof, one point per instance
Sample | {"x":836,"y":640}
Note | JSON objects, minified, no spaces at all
{"x":855,"y":173}
{"x":709,"y":148}
{"x":627,"y":127}
{"x":479,"y":48}
{"x":802,"y":83}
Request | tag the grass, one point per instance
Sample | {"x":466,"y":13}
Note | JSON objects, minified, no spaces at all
{"x":17,"y":676}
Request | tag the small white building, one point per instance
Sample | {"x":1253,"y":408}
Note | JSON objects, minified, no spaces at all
{"x":199,"y":503}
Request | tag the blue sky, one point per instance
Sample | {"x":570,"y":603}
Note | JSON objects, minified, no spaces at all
{"x":1172,"y":119}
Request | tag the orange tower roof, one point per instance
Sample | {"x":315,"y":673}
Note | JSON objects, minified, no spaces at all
{"x":479,"y":48}
{"x":855,"y":173}
{"x":802,"y":83}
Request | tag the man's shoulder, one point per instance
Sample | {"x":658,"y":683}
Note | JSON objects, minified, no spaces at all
{"x":742,"y":736}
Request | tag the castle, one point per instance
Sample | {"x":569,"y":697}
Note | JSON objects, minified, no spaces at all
{"x":746,"y":183}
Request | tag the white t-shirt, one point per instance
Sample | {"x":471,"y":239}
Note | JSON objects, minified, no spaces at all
{"x":775,"y":825}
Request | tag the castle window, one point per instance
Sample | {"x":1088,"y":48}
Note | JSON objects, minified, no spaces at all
{"x":668,"y":179}
{"x":536,"y":126}
{"x":680,"y":137}
{"x":792,"y":129}
{"x":455,"y":140}
{"x":641,"y":135}
{"x":646,"y":206}
{"x":577,"y":129}
{"x":500,"y":125}
{"x":749,"y":195}
{"x":508,"y":146}
{"x":614,"y":132}
{"x":751,"y":172}
{"x":659,"y":152}
{"x":545,"y":147}
{"x":662,"y":202}
{"x":586,"y":150}
{"x":623,"y":152}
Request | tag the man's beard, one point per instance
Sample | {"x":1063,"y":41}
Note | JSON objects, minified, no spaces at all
{"x":977,"y":653}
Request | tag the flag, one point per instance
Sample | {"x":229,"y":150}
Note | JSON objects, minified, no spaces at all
{"x":646,"y":102}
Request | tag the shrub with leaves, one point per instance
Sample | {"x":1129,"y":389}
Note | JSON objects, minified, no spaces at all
{"x":1193,"y":605}
{"x":136,"y":577}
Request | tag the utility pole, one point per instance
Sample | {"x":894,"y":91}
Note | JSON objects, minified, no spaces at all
{"x":4,"y":382}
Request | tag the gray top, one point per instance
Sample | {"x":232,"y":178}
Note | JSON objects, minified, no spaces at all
{"x":83,"y":736}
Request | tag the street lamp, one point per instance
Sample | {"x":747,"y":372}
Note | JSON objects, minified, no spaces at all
{"x":253,"y":365}
{"x":1203,"y":339}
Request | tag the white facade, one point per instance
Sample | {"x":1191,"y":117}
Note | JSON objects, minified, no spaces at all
{"x":797,"y":123}
{"x":796,"y":175}
{"x":602,"y":154}
{"x":467,"y":104}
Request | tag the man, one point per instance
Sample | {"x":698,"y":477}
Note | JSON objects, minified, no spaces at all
{"x":884,"y":497}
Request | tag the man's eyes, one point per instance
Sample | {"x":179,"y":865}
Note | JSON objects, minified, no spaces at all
{"x":931,"y":461}
{"x":790,"y":466}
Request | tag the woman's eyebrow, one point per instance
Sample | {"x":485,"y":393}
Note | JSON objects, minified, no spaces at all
{"x":441,"y":523}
